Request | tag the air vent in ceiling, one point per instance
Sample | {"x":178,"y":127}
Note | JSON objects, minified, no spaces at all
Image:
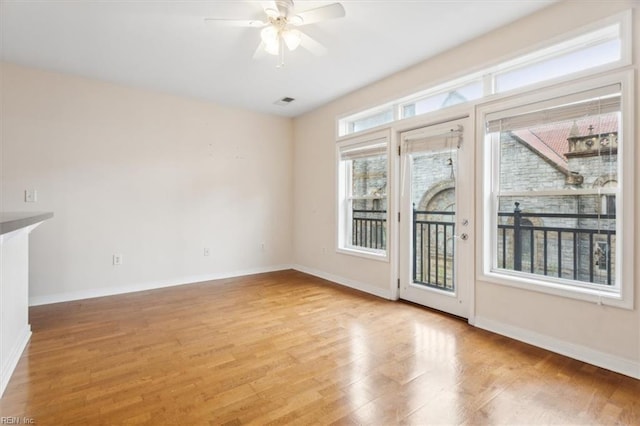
{"x":284,"y":101}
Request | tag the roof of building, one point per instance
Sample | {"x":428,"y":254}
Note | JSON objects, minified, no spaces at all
{"x":551,"y":140}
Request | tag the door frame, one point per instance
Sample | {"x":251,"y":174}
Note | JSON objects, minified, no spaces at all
{"x":466,"y":172}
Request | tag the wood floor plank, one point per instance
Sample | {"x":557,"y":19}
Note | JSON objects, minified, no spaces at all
{"x":288,"y":348}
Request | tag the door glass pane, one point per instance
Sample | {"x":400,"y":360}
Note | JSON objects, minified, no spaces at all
{"x":434,"y":205}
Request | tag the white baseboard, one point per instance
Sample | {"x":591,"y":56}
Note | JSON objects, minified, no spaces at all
{"x":111,"y":291}
{"x":14,"y":356}
{"x":364,"y":287}
{"x":611,"y":362}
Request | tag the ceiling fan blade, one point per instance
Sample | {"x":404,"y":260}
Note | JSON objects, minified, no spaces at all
{"x":324,"y":13}
{"x":253,"y":23}
{"x":311,"y":45}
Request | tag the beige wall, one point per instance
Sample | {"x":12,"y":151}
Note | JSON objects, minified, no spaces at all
{"x":602,"y":335}
{"x":154,"y":177}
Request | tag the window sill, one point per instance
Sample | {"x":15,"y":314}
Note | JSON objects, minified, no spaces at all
{"x":379,"y":255}
{"x":592,"y":295}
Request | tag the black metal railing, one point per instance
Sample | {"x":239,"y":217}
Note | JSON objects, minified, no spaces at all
{"x":579,"y":252}
{"x":570,"y":245}
{"x":369,"y":229}
{"x":433,"y":242}
{"x":433,"y":248}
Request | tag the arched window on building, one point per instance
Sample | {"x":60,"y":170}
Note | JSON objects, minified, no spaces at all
{"x":602,"y":255}
{"x":608,"y":201}
{"x":434,"y":243}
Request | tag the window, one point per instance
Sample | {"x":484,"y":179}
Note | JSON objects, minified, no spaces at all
{"x":371,"y":121}
{"x":362,"y":190}
{"x":366,"y":120}
{"x":581,"y":53}
{"x":608,"y":204}
{"x":460,"y":93}
{"x":555,"y":190}
{"x":604,"y":45}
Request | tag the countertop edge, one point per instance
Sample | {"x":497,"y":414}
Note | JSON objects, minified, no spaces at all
{"x":15,"y":223}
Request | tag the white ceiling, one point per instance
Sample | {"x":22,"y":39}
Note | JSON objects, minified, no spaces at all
{"x":166,"y":46}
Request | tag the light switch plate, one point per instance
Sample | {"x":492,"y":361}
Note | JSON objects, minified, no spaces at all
{"x":30,"y":195}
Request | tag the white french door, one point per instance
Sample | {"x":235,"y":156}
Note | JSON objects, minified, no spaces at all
{"x":436,"y":204}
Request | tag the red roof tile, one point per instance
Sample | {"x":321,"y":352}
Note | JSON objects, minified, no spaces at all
{"x":550,"y":140}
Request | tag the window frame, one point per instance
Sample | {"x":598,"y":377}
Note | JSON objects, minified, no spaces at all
{"x":487,"y":199}
{"x":450,"y":86}
{"x":344,"y":217}
{"x":488,"y":73}
{"x":572,"y":42}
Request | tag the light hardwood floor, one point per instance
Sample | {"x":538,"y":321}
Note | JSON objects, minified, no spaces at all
{"x":287,"y":348}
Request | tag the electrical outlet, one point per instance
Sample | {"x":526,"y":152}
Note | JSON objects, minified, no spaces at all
{"x":117,"y":259}
{"x":30,"y":195}
{"x":207,"y":251}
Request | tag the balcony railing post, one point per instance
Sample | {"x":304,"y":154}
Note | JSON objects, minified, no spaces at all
{"x":517,"y":240}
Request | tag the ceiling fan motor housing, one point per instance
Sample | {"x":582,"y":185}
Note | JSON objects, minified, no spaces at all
{"x":284,"y":6}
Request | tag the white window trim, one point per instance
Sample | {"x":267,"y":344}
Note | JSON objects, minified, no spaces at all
{"x":486,"y":208}
{"x":343,"y":182}
{"x":487,"y":72}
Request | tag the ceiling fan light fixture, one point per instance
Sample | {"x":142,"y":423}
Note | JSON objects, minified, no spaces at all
{"x":272,"y":48}
{"x":279,"y":29}
{"x":292,"y":39}
{"x":271,"y":40}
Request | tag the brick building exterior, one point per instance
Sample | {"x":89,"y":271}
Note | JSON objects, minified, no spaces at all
{"x":565,"y":156}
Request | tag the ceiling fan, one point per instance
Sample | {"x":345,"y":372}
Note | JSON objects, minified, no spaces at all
{"x":280,"y":27}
